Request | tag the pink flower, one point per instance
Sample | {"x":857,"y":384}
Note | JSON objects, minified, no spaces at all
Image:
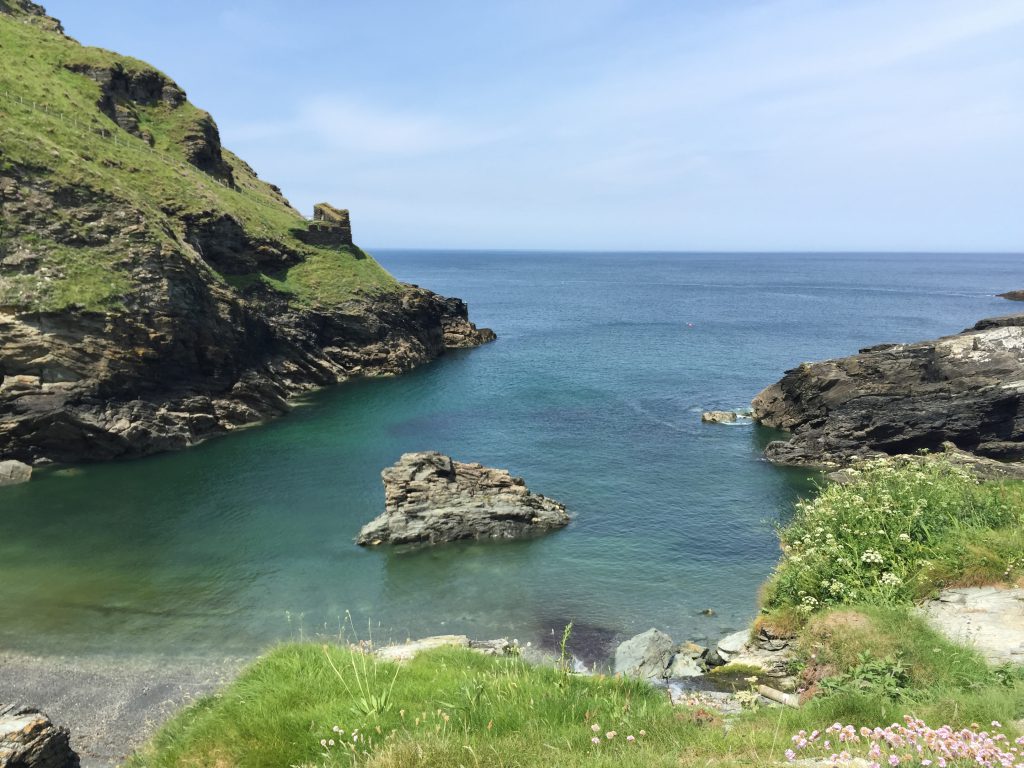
{"x":631,"y":738}
{"x":595,"y":740}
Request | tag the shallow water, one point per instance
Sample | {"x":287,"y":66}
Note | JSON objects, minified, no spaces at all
{"x":593,"y":393}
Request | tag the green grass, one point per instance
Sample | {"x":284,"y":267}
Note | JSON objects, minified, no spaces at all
{"x":901,"y":529}
{"x":456,"y":708}
{"x":61,"y":142}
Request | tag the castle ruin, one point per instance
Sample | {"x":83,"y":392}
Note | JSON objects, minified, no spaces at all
{"x":330,"y":226}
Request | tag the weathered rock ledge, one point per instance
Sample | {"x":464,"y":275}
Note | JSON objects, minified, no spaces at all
{"x":430,"y":498}
{"x":84,"y":387}
{"x":966,"y":389}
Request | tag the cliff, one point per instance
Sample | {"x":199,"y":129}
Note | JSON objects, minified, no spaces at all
{"x":153,"y":290}
{"x":967,"y":389}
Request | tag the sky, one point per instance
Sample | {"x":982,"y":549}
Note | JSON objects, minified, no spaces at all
{"x":709,"y":125}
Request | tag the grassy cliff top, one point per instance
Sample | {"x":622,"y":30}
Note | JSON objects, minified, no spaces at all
{"x":58,"y":104}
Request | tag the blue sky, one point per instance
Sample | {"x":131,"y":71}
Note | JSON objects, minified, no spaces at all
{"x":613,"y":124}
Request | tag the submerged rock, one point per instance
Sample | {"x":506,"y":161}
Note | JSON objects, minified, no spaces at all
{"x":29,"y":740}
{"x":429,"y":497}
{"x":14,"y":472}
{"x":967,"y":389}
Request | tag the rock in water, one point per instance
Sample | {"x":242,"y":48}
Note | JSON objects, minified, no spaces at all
{"x":430,"y":498}
{"x":897,"y":398}
{"x":29,"y":740}
{"x":1012,"y":295}
{"x":719,"y":417}
{"x":14,"y":472}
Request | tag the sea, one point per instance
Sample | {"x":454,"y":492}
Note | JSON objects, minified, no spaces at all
{"x":593,"y":393}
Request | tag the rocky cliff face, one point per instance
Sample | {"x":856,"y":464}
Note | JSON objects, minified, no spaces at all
{"x":967,"y":389}
{"x":154,"y":291}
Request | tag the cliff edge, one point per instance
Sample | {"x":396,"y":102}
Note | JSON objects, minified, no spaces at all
{"x":153,"y":290}
{"x":966,"y":389}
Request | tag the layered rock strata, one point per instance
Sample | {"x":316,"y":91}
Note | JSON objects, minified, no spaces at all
{"x":29,"y":740}
{"x":430,"y":498}
{"x":966,"y":389}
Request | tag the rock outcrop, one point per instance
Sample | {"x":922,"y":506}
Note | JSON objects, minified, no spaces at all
{"x":966,"y":389}
{"x":1012,"y":295}
{"x":430,"y":498}
{"x":14,"y":472}
{"x":652,"y":655}
{"x":29,"y":740}
{"x":723,"y":417}
{"x":988,"y":619}
{"x":145,"y":307}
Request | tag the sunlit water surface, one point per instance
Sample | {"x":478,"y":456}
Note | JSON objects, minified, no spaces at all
{"x":593,"y":393}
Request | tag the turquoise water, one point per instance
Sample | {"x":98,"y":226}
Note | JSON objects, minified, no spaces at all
{"x":593,"y":393}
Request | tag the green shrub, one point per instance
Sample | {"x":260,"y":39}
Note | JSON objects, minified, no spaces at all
{"x":897,"y":530}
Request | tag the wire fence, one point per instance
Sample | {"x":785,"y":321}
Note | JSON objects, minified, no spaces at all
{"x":118,"y":137}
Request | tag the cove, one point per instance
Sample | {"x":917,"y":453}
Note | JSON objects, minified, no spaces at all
{"x":593,"y":393}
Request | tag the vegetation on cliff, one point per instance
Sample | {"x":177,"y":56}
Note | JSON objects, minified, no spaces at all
{"x":90,"y":123}
{"x":153,"y":290}
{"x":895,"y":531}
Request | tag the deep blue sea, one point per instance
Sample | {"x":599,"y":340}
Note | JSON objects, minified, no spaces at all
{"x":593,"y":393}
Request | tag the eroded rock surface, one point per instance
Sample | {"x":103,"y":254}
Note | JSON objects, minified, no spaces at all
{"x":966,"y":389}
{"x":29,"y":740}
{"x":430,"y":498}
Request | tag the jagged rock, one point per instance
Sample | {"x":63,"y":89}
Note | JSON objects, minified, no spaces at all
{"x":966,"y":389}
{"x":645,"y":656}
{"x":430,"y":498}
{"x":686,"y":662}
{"x":29,"y":740}
{"x":14,"y":472}
{"x":730,"y":645}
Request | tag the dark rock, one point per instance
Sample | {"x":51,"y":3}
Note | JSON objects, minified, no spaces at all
{"x":1012,"y":295}
{"x":966,"y":389}
{"x":29,"y":740}
{"x":430,"y":498}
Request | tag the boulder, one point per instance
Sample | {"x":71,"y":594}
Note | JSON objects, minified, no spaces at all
{"x":14,"y":472}
{"x":29,"y":740}
{"x":730,"y":645}
{"x":967,"y":389}
{"x":645,"y":656}
{"x":686,"y":663}
{"x":430,"y":498}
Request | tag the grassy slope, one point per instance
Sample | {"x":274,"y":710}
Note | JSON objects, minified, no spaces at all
{"x":455,"y":708}
{"x":61,"y":140}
